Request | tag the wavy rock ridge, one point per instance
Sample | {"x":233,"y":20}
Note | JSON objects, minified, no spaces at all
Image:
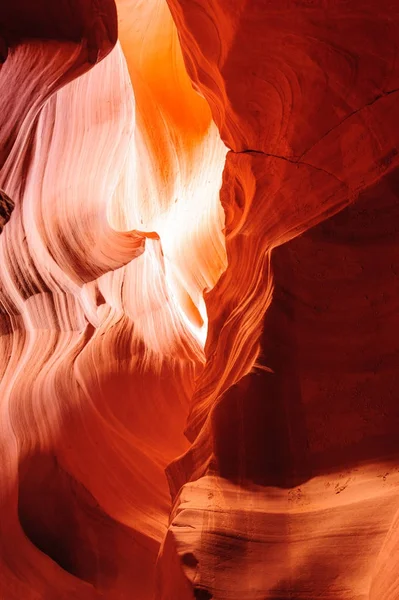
{"x":233,"y":350}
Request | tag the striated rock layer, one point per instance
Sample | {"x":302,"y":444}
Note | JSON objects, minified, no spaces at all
{"x":198,"y":300}
{"x":104,"y":262}
{"x":6,"y":208}
{"x":290,"y":485}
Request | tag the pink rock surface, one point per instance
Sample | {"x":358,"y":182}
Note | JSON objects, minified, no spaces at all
{"x":198,"y":300}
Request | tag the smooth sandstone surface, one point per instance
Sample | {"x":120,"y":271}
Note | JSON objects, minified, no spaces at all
{"x":300,"y":384}
{"x":199,"y":259}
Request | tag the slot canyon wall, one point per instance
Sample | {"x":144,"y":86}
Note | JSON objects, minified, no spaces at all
{"x":199,"y":300}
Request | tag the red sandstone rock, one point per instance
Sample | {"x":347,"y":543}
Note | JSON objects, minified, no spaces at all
{"x":6,"y":208}
{"x":306,"y":97}
{"x":284,"y":380}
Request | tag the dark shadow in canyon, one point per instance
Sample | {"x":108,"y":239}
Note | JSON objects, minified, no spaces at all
{"x":330,"y":338}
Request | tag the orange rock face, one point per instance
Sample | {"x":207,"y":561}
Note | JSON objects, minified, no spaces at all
{"x":199,"y":258}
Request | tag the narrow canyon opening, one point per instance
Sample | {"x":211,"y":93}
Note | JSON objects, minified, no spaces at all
{"x":198,"y":300}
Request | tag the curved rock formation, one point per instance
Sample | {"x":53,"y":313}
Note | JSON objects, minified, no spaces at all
{"x":102,"y":317}
{"x":294,"y":418}
{"x":198,"y":300}
{"x":6,"y":208}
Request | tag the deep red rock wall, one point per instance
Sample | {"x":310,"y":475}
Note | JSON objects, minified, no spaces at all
{"x":199,"y":259}
{"x":294,"y":419}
